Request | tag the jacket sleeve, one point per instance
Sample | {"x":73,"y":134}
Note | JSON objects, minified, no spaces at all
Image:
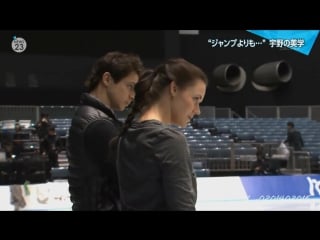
{"x":290,"y":138}
{"x":301,"y":139}
{"x":179,"y":182}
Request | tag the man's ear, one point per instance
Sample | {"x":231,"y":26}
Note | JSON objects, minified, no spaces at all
{"x":173,"y":88}
{"x":107,"y":79}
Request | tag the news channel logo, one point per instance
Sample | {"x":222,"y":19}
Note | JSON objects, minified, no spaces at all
{"x":18,"y":44}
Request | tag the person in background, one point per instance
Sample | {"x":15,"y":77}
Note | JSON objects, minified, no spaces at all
{"x":42,"y":129}
{"x":18,"y":138}
{"x":43,"y":125}
{"x":52,"y":146}
{"x":153,"y":160}
{"x":294,"y":138}
{"x":7,"y":145}
{"x":92,"y":174}
{"x":261,"y":166}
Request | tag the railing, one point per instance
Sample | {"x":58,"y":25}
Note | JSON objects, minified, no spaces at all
{"x":21,"y":112}
{"x":211,"y":112}
{"x":208,"y":112}
{"x":13,"y":112}
{"x":295,"y":162}
{"x":235,"y":114}
{"x":223,"y":113}
{"x":310,"y":112}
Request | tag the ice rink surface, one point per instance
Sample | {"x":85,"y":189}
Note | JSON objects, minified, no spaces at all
{"x":259,"y":205}
{"x":300,"y":193}
{"x":229,"y":194}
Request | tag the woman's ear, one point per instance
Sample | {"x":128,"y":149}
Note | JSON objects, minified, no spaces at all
{"x":173,"y":88}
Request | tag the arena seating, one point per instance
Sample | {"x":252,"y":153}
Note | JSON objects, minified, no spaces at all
{"x":221,"y":144}
{"x":229,"y":144}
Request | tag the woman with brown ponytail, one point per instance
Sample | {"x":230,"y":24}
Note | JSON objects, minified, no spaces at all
{"x":153,"y":162}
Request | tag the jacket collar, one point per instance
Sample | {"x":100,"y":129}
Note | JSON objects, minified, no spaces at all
{"x":87,"y":99}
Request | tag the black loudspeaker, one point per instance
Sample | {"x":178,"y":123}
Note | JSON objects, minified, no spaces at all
{"x":229,"y":77}
{"x":270,"y":76}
